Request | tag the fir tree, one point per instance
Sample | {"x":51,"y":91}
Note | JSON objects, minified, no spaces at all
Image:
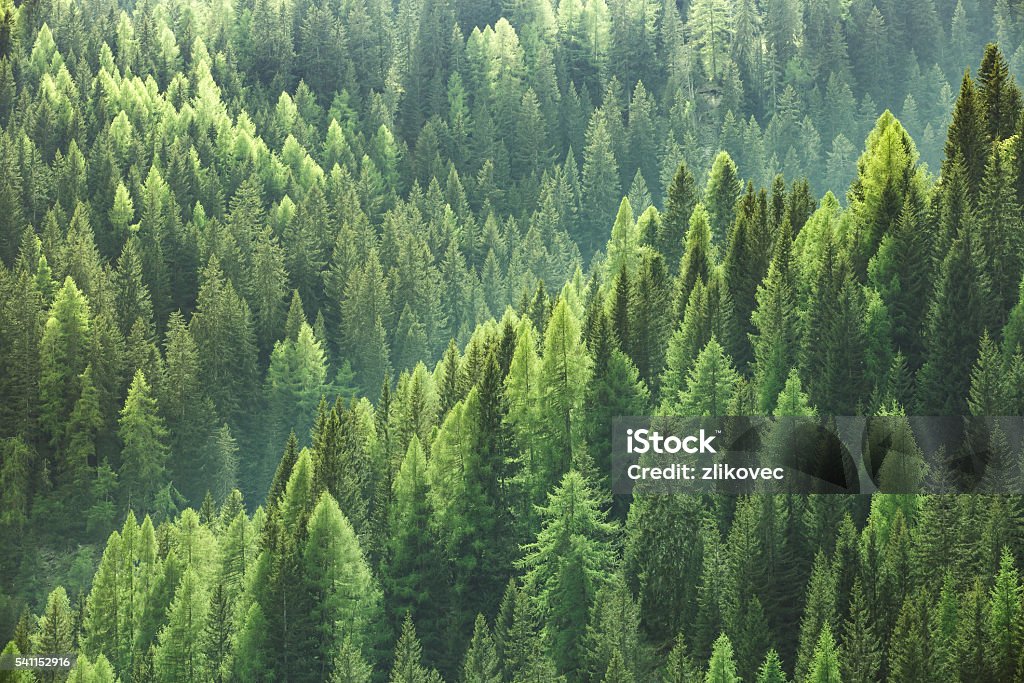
{"x":144,"y":457}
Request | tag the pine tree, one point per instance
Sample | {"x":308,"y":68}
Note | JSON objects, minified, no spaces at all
{"x":998,"y":95}
{"x":144,"y":457}
{"x":860,"y":655}
{"x":344,"y":601}
{"x":600,"y":181}
{"x":64,"y":351}
{"x":720,"y":195}
{"x":771,"y":669}
{"x":776,"y":319}
{"x":481,"y":663}
{"x":722,"y":666}
{"x":567,"y":565}
{"x":825,"y":666}
{"x":179,"y":656}
{"x":408,"y":667}
{"x":1003,"y":621}
{"x":679,"y":205}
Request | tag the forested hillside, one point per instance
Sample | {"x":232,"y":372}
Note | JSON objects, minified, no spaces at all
{"x":314,"y":318}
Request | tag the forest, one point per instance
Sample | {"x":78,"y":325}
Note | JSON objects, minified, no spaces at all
{"x":315,"y":317}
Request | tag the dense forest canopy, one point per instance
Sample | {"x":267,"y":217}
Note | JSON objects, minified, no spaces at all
{"x":314,"y":318}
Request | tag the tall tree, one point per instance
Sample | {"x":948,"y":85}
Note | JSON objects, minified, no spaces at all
{"x":143,"y":470}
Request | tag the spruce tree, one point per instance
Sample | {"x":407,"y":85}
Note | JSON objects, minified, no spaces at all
{"x":771,"y":669}
{"x":679,"y":204}
{"x":144,"y":456}
{"x":566,"y":567}
{"x":565,"y":369}
{"x":998,"y":94}
{"x":481,"y":664}
{"x":64,"y":351}
{"x":776,"y":321}
{"x":343,"y":598}
{"x":957,"y":316}
{"x":179,"y":656}
{"x":697,"y":262}
{"x":408,"y":667}
{"x":720,"y":195}
{"x":967,"y":141}
{"x":825,"y":666}
{"x":818,"y":619}
{"x":860,"y":655}
{"x":1003,"y":621}
{"x":722,"y":666}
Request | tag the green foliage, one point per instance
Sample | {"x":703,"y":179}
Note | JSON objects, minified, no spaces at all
{"x":408,"y":172}
{"x":144,"y":457}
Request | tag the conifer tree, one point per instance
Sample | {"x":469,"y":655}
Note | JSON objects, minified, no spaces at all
{"x":179,"y":656}
{"x":697,"y":260}
{"x":819,"y":615}
{"x":825,"y":666}
{"x":408,"y":667}
{"x":349,"y":665}
{"x":344,"y":600}
{"x":746,"y":263}
{"x":600,"y":181}
{"x":144,"y":457}
{"x":900,"y":271}
{"x":566,"y":567}
{"x":64,"y":352}
{"x":481,"y":663}
{"x":722,"y":666}
{"x":1003,"y":620}
{"x":296,"y":381}
{"x":55,"y":630}
{"x":679,"y":667}
{"x":909,"y":658}
{"x":679,"y":204}
{"x":998,"y":94}
{"x":710,"y":384}
{"x":412,"y":581}
{"x":720,"y":195}
{"x":771,"y":669}
{"x":999,"y":228}
{"x":776,"y":320}
{"x":960,"y":292}
{"x":967,"y":141}
{"x":860,"y":655}
{"x":565,"y":369}
{"x":186,"y":408}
